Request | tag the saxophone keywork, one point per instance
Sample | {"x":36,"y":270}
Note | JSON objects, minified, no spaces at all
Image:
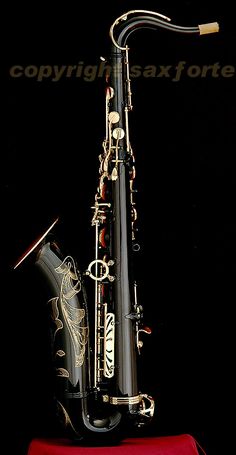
{"x":96,"y":364}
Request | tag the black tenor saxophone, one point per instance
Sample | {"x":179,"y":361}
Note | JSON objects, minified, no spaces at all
{"x":97,"y":384}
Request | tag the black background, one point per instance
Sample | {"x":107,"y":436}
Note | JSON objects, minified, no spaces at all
{"x":183,"y":136}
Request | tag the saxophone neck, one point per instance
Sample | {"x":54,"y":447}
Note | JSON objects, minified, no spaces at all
{"x":133,"y":20}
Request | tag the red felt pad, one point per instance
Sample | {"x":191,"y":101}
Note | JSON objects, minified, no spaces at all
{"x":168,"y":445}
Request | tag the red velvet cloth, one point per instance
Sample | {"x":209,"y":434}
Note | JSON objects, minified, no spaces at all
{"x":168,"y":445}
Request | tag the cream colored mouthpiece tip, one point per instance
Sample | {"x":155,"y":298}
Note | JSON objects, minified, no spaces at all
{"x":212,"y":27}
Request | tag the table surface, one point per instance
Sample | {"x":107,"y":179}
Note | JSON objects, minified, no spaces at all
{"x":183,"y":444}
